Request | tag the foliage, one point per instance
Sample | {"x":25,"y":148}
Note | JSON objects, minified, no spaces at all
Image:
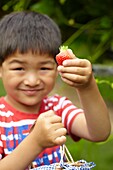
{"x":99,"y":153}
{"x":86,"y":26}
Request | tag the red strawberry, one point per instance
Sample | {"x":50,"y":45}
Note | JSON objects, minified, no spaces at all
{"x":65,"y":54}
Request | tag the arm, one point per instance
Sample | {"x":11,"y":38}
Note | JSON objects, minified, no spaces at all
{"x":47,"y":132}
{"x":94,"y":124}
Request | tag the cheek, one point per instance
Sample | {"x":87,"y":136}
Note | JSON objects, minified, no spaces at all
{"x":10,"y":82}
{"x":51,"y":80}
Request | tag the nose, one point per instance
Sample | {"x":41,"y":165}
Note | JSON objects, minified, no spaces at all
{"x":32,"y":79}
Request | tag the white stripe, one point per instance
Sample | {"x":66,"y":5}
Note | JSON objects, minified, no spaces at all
{"x":72,"y":114}
{"x":7,"y":151}
{"x":12,"y":137}
{"x":53,"y":98}
{"x":59,"y":105}
{"x":46,"y":108}
{"x":62,"y":104}
{"x":2,"y":106}
{"x":6,"y":114}
{"x":55,"y":154}
{"x":50,"y":104}
{"x":0,"y":156}
{"x":50,"y":157}
{"x":66,"y":102}
{"x":18,"y":123}
{"x":64,"y":113}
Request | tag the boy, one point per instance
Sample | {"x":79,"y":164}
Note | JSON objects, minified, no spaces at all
{"x":33,"y":125}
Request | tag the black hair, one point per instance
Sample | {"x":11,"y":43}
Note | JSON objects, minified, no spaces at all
{"x":27,"y":30}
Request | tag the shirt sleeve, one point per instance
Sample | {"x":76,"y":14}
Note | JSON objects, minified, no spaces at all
{"x":68,"y":111}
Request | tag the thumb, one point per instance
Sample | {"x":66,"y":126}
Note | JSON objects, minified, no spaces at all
{"x":71,"y":54}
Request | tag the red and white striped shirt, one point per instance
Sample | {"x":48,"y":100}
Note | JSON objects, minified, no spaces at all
{"x":15,"y":126}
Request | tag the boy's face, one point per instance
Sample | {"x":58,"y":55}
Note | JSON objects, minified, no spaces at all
{"x":27,"y":79}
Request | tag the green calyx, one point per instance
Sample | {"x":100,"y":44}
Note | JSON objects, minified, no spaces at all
{"x":63,"y":48}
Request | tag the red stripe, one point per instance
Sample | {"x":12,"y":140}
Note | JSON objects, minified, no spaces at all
{"x":75,"y":138}
{"x":66,"y":116}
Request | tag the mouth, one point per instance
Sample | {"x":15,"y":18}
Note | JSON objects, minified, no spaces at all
{"x":31,"y":92}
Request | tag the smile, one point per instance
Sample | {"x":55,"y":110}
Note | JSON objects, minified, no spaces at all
{"x":30,"y":92}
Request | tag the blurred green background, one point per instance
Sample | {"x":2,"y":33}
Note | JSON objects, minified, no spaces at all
{"x":87,"y":28}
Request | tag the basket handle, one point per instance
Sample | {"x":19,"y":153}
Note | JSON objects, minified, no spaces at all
{"x":65,"y":152}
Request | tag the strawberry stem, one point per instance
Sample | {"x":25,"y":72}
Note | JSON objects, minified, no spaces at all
{"x":63,"y":48}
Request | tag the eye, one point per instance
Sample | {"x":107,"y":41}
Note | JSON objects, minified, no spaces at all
{"x":18,"y":69}
{"x":45,"y":68}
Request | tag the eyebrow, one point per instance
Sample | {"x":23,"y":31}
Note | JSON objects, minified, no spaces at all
{"x":16,"y":61}
{"x":47,"y":62}
{"x":22,"y":62}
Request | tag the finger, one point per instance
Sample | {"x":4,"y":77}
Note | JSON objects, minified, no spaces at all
{"x":74,"y":78}
{"x":55,"y":119}
{"x":61,"y":131}
{"x":77,"y":62}
{"x":60,"y":135}
{"x":48,"y":113}
{"x":57,"y":126}
{"x":60,"y":140}
{"x":74,"y":83}
{"x":71,"y":54}
{"x":74,"y":70}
